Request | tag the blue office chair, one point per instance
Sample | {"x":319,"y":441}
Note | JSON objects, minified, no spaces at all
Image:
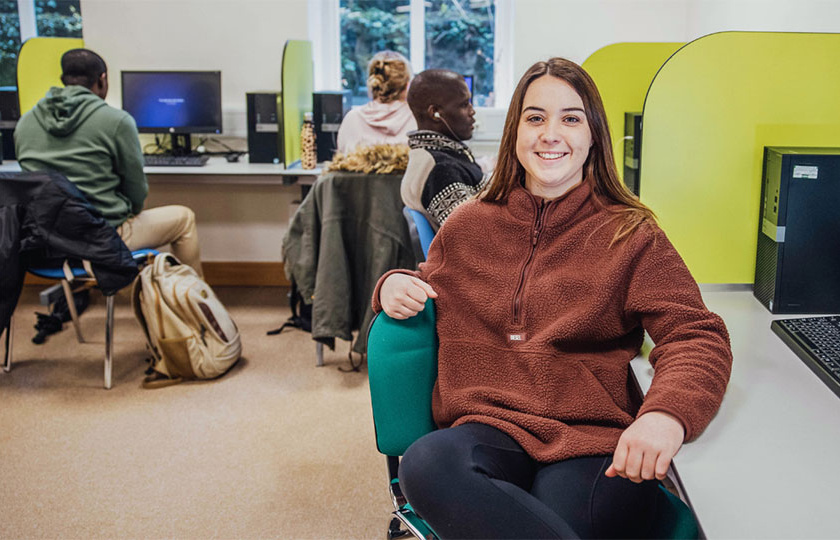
{"x":421,"y":232}
{"x":70,"y":277}
{"x":402,"y":369}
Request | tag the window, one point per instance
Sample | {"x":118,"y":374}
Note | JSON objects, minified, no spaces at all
{"x":462,"y":35}
{"x":23,"y":19}
{"x":9,"y":41}
{"x":58,"y":18}
{"x":367,"y":27}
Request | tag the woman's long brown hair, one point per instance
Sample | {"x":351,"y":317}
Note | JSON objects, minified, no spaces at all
{"x":599,"y":168}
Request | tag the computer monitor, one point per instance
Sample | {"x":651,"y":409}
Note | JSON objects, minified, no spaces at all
{"x":176,"y":102}
{"x":469,"y":80}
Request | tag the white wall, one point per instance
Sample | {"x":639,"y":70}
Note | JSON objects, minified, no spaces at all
{"x":244,"y":39}
{"x":575,"y":29}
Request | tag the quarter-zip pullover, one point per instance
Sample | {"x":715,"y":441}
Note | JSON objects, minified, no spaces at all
{"x":538,"y":318}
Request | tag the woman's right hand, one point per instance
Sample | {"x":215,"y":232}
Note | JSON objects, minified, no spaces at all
{"x":403,"y":296}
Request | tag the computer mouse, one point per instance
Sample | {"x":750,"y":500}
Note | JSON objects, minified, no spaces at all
{"x":232,"y":158}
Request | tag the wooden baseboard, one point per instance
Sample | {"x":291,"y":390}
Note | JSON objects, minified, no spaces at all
{"x":223,"y":274}
{"x":245,"y":274}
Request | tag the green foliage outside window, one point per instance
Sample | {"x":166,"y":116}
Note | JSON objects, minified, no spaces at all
{"x":367,"y":27}
{"x":58,"y":18}
{"x":9,"y":42}
{"x":459,"y":36}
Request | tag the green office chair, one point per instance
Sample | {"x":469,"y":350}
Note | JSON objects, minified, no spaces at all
{"x":402,"y":368}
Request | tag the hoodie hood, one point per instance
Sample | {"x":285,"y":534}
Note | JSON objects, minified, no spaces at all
{"x":390,"y":118}
{"x":63,"y":110}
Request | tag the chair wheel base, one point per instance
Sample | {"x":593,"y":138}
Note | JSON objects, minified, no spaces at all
{"x":395,"y":530}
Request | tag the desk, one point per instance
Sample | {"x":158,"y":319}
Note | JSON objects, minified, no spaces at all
{"x":242,"y":209}
{"x":766,"y":467}
{"x":219,"y":171}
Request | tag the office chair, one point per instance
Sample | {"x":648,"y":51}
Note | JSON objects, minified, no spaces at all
{"x":402,"y":369}
{"x":49,"y":222}
{"x":421,"y":232}
{"x":72,"y":280}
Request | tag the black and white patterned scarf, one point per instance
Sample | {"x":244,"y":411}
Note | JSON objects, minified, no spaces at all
{"x":432,"y":140}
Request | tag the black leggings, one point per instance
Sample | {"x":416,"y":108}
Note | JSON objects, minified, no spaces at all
{"x":474,"y":481}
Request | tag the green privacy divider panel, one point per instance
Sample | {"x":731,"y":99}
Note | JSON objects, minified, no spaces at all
{"x":39,"y":67}
{"x":623,"y":73}
{"x":709,"y":112}
{"x":297,"y":84}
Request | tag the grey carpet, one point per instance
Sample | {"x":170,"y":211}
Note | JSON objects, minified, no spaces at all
{"x":277,"y":448}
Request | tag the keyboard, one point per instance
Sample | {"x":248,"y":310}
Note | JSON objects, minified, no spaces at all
{"x":816,"y":341}
{"x":164,"y":160}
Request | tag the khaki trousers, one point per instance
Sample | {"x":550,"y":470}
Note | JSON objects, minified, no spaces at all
{"x":156,"y":227}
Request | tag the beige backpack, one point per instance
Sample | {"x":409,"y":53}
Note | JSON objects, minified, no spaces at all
{"x":189,"y":332}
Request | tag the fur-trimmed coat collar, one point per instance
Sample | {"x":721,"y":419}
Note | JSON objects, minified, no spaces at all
{"x":374,"y":159}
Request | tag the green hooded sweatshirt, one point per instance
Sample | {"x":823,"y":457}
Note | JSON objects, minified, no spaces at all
{"x":73,"y":131}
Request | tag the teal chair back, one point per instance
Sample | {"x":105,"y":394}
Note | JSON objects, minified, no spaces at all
{"x":402,"y":369}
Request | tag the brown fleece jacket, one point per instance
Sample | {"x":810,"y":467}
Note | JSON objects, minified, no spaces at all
{"x":538,"y":319}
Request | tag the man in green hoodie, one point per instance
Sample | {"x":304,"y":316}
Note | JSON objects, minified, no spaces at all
{"x":72,"y":130}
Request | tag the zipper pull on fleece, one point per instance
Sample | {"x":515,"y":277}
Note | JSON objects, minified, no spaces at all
{"x":535,"y":233}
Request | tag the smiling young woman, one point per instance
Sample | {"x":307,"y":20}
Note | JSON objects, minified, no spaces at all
{"x":544,"y":288}
{"x":599,"y":163}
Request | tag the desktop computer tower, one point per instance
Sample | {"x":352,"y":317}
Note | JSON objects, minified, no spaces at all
{"x":797,"y":268}
{"x":265,"y":142}
{"x":632,"y":150}
{"x":9,"y":115}
{"x":328,"y":110}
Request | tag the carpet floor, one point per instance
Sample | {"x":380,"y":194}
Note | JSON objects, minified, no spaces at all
{"x":277,"y":448}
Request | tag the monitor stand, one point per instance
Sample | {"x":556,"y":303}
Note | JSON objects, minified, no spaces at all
{"x":181,"y":144}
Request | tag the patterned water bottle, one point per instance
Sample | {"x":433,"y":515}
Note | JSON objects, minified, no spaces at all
{"x":308,"y":156}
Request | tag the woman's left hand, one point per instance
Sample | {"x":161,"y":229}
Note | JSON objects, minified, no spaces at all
{"x":645,"y":449}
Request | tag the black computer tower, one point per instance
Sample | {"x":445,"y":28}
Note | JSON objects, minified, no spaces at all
{"x":265,"y":142}
{"x":632,"y":150}
{"x":9,"y":115}
{"x":328,"y":110}
{"x":797,"y":267}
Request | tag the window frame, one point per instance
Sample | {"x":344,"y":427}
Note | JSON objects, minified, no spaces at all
{"x":27,"y":19}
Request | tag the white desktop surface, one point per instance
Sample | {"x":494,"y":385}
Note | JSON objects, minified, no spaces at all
{"x":767,"y":465}
{"x":219,"y":170}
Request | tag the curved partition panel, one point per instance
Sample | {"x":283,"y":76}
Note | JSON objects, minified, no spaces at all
{"x":709,"y":113}
{"x":297,"y":84}
{"x":623,"y":73}
{"x":39,"y":67}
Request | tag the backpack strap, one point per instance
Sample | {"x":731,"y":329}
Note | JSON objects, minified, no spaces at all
{"x":158,"y":380}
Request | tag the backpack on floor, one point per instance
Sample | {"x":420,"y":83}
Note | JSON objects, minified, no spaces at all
{"x":189,"y":332}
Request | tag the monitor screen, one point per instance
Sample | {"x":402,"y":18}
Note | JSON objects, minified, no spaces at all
{"x":174,"y":101}
{"x":469,"y":80}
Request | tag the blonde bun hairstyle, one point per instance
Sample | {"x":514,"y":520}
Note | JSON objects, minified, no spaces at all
{"x":388,"y":76}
